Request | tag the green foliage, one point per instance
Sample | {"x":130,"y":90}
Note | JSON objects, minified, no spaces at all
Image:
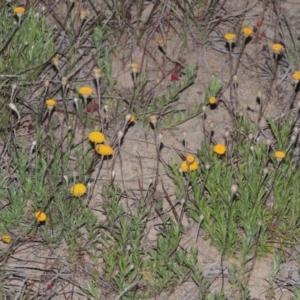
{"x":243,"y":222}
{"x":40,"y":185}
{"x":245,"y":201}
{"x":25,"y":47}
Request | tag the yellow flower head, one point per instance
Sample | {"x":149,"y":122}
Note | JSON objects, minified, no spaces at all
{"x":50,"y":102}
{"x":104,"y":150}
{"x":78,"y":189}
{"x":190,"y":159}
{"x":55,"y":60}
{"x":277,"y":48}
{"x":161,"y":41}
{"x":220,"y":149}
{"x":40,"y":216}
{"x":96,"y":137}
{"x":230,"y":37}
{"x":85,"y":91}
{"x":134,"y":67}
{"x":212,"y":100}
{"x":186,"y":166}
{"x":83,"y":14}
{"x":19,"y":10}
{"x":6,"y":239}
{"x":132,"y":119}
{"x":296,"y":76}
{"x":279,"y":155}
{"x":247,"y":31}
{"x":153,"y":119}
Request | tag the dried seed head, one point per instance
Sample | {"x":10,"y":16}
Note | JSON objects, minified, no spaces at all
{"x":153,"y":119}
{"x":134,"y":67}
{"x":97,"y":73}
{"x":120,"y":135}
{"x":227,"y":133}
{"x":127,"y":117}
{"x":13,"y":87}
{"x":160,"y":137}
{"x":161,"y":42}
{"x":234,"y":189}
{"x":13,"y":107}
{"x":64,"y":81}
{"x":66,"y":179}
{"x":83,"y":14}
{"x":47,"y":83}
{"x":55,"y":61}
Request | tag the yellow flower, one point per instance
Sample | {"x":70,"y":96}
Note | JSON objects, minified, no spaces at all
{"x":19,"y":10}
{"x":55,"y":60}
{"x":134,"y":67}
{"x":104,"y":150}
{"x":132,"y":119}
{"x":153,"y":119}
{"x":85,"y":91}
{"x":277,"y":48}
{"x":247,"y":31}
{"x":50,"y":102}
{"x":78,"y":189}
{"x":40,"y":216}
{"x":279,"y":155}
{"x":212,"y":100}
{"x":161,"y":41}
{"x":220,"y":149}
{"x":186,"y":166}
{"x":6,"y":239}
{"x":296,"y":76}
{"x":190,"y":159}
{"x":83,"y":14}
{"x":230,"y":37}
{"x":96,"y":137}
